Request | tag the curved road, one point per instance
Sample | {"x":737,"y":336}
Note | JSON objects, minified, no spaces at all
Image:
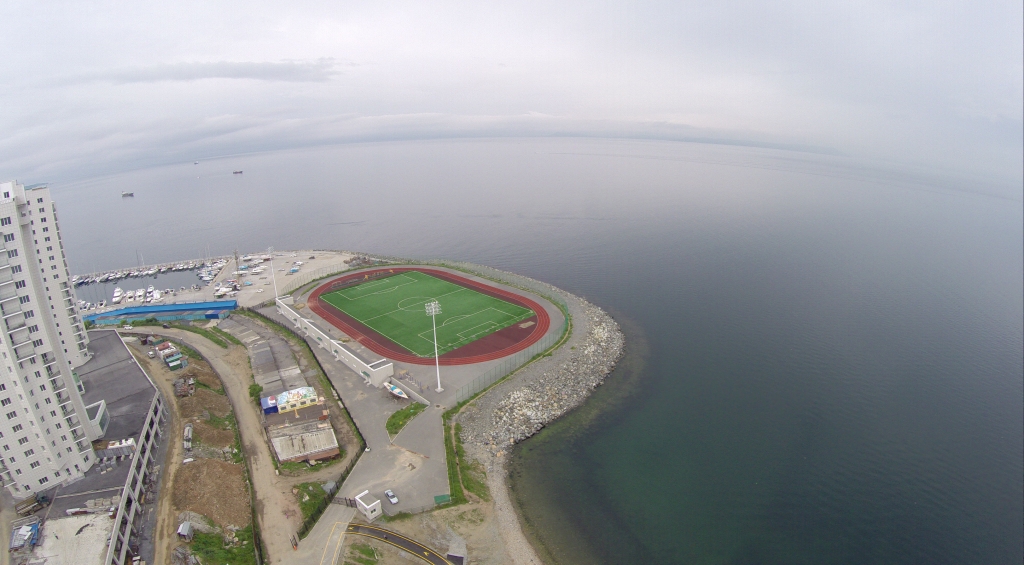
{"x":399,"y":541}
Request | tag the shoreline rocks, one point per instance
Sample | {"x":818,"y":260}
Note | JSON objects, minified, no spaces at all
{"x":550,"y":387}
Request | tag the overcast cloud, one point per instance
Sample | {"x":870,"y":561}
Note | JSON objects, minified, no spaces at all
{"x":104,"y":86}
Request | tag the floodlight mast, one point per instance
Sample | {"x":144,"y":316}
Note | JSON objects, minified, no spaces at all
{"x":270,"y":251}
{"x":433,"y":309}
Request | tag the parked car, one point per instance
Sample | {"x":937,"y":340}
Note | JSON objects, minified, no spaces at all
{"x":127,"y":327}
{"x":391,"y":496}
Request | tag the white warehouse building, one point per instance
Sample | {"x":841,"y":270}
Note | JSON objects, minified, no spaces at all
{"x":46,"y":430}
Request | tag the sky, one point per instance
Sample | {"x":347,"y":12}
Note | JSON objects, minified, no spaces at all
{"x":90,"y":88}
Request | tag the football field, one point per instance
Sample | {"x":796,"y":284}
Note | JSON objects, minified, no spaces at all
{"x":395,"y":308}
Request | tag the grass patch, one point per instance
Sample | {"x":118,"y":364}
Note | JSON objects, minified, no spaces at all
{"x":474,"y":477}
{"x":454,"y":482}
{"x":225,"y":423}
{"x":203,"y":332}
{"x":399,"y":419}
{"x":399,"y":517}
{"x":361,"y":554}
{"x":188,"y":351}
{"x":312,"y":498}
{"x":226,"y":336}
{"x":210,"y":548}
{"x":208,"y":387}
{"x":254,"y":392}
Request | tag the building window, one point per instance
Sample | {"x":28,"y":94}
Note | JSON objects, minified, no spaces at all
{"x":33,"y":329}
{"x":40,"y":201}
{"x":8,"y":237}
{"x":12,"y":253}
{"x":37,"y":342}
{"x":30,"y":314}
{"x":17,"y":472}
{"x":46,"y":229}
{"x":30,"y":453}
{"x":5,"y":221}
{"x":23,"y":441}
{"x":16,"y":269}
{"x":5,"y":402}
{"x":12,"y":415}
{"x":24,"y":299}
{"x":44,"y":480}
{"x":19,"y":284}
{"x":17,"y":428}
{"x":7,"y":448}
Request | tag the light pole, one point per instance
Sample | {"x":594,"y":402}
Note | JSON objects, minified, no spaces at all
{"x":433,"y":309}
{"x":273,"y":275}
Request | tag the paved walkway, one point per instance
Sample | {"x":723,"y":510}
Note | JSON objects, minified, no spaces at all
{"x":398,"y":540}
{"x":323,"y":545}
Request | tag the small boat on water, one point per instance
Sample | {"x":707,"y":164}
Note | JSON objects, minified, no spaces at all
{"x":396,"y":391}
{"x":236,"y":172}
{"x":127,"y":194}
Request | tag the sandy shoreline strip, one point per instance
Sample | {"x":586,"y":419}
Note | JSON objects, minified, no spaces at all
{"x":536,"y":395}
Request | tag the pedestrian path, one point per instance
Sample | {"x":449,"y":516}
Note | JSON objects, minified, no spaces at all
{"x":323,"y":545}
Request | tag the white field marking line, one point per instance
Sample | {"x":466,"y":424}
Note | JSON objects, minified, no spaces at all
{"x":460,"y":289}
{"x":465,"y":337}
{"x":372,"y":285}
{"x":489,"y":321}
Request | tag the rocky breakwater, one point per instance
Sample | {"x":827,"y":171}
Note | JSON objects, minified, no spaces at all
{"x":545,"y":390}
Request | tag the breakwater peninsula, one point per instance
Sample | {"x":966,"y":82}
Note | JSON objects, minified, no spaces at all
{"x":438,"y":367}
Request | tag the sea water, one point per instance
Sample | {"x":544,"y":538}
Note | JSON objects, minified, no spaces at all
{"x":824,"y":361}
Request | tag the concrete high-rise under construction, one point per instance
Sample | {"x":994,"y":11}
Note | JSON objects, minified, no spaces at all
{"x":46,"y":430}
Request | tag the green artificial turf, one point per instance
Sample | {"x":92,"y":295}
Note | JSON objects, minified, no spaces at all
{"x":395,"y":307}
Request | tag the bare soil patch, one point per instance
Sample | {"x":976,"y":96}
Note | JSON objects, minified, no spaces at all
{"x":210,"y":436}
{"x":215,"y":489}
{"x":204,"y":402}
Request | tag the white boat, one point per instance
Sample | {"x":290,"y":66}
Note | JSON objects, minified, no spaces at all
{"x":396,"y":391}
{"x":150,"y":289}
{"x":118,"y":295}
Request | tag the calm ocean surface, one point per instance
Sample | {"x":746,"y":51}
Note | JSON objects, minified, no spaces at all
{"x":824,"y":366}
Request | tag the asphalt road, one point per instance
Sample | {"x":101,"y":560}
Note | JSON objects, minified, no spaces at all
{"x":398,"y":540}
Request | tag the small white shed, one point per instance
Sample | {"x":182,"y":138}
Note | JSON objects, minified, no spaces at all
{"x":368,"y":505}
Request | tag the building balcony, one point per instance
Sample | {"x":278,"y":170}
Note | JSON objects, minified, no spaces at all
{"x":7,"y":290}
{"x":58,"y":384}
{"x":24,"y":351}
{"x":10,"y":308}
{"x":77,"y":434}
{"x":20,"y":336}
{"x":72,"y":420}
{"x":14,"y":324}
{"x":48,"y":358}
{"x":63,"y":397}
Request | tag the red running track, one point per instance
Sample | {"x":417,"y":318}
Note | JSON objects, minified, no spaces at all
{"x":489,"y":348}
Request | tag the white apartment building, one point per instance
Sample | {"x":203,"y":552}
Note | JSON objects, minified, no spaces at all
{"x":45,"y":428}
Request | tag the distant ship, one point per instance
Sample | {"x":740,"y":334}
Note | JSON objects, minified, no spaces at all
{"x":127,"y":194}
{"x":237,"y":173}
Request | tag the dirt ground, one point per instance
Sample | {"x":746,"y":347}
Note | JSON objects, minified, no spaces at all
{"x":215,"y":489}
{"x":474,"y":523}
{"x":205,"y":434}
{"x":278,"y":512}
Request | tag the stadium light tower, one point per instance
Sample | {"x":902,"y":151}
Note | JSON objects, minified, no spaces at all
{"x":433,"y":309}
{"x":273,"y":275}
